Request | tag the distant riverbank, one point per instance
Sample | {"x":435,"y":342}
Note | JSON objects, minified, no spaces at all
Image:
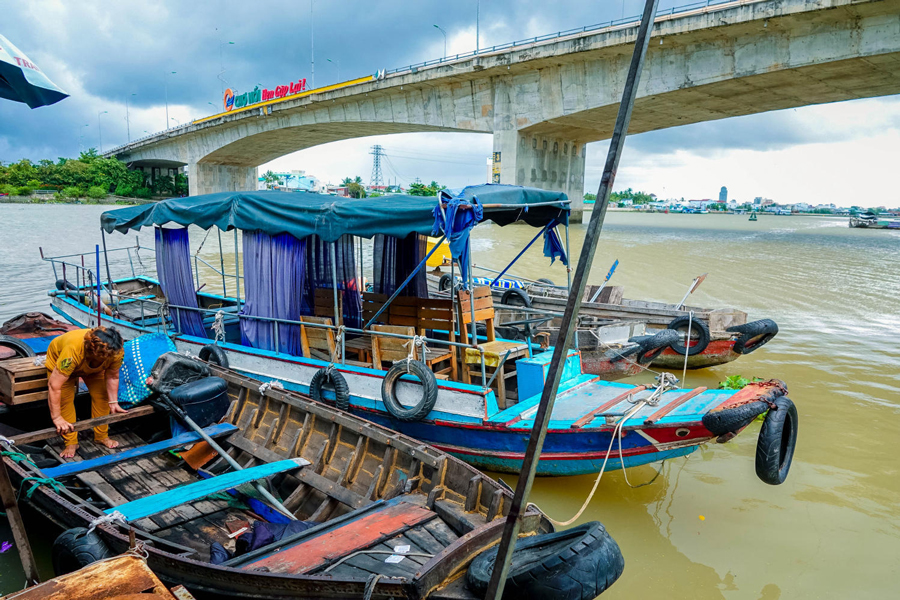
{"x":48,"y":199}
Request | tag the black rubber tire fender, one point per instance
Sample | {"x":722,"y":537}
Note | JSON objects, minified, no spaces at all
{"x":444,"y":282}
{"x":21,"y":349}
{"x":753,"y":335}
{"x":516,"y":297}
{"x":651,"y":346}
{"x":429,"y":390}
{"x":76,"y":548}
{"x":697,"y":326}
{"x":576,"y":564}
{"x":545,"y":281}
{"x":777,"y":441}
{"x":333,"y":377}
{"x":62,"y":284}
{"x":720,"y":422}
{"x":214,"y":354}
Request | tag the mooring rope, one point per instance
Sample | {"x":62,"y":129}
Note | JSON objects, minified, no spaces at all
{"x":687,"y":348}
{"x":37,"y":482}
{"x":218,"y":327}
{"x":113,"y":517}
{"x":417,"y":341}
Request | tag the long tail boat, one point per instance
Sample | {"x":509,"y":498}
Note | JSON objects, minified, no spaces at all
{"x":372,"y":513}
{"x":413,"y":363}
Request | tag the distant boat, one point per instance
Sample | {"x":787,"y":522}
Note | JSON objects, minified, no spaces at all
{"x":871,"y":220}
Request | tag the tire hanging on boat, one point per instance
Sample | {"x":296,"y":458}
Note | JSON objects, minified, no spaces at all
{"x":576,"y":564}
{"x":21,"y":349}
{"x":444,"y":282}
{"x":516,"y":297}
{"x":333,"y":377}
{"x":545,"y":281}
{"x":76,"y":548}
{"x":651,"y":346}
{"x":776,"y":443}
{"x":698,"y":328}
{"x":732,"y":419}
{"x":419,"y":370}
{"x":753,"y":335}
{"x":214,"y":354}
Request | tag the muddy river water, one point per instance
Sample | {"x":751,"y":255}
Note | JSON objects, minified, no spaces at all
{"x":706,"y":527}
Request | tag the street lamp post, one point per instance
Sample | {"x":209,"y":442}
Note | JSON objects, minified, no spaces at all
{"x":312,"y":48}
{"x":222,"y":60}
{"x":338,"y":63}
{"x":100,"y":130}
{"x":81,"y":138}
{"x":477,"y":23}
{"x":445,"y":40}
{"x":127,"y":121}
{"x":166,"y":85}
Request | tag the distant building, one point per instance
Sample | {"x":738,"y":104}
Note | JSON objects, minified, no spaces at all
{"x":723,"y":195}
{"x":293,"y":181}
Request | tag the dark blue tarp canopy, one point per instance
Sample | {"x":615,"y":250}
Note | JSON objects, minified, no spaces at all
{"x":303,"y":214}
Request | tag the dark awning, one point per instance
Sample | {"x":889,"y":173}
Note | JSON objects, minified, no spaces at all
{"x":303,"y":213}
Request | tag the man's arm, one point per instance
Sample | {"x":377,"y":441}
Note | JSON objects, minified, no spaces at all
{"x":54,"y":384}
{"x":112,"y":391}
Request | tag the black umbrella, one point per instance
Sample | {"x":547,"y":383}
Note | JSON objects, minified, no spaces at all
{"x":21,"y":80}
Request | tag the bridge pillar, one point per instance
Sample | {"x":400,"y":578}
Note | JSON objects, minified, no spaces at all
{"x":207,"y":178}
{"x":542,"y":162}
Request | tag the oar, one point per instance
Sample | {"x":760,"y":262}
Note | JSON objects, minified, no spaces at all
{"x":215,"y":446}
{"x":612,"y":270}
{"x":694,"y":285}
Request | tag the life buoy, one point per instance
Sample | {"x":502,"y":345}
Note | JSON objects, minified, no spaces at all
{"x":429,"y":390}
{"x":333,"y":378}
{"x":699,"y":329}
{"x":776,"y":443}
{"x":214,"y":355}
{"x":753,"y":335}
{"x":734,"y":418}
{"x":21,"y":349}
{"x":515,"y":297}
{"x":76,"y":548}
{"x":576,"y":564}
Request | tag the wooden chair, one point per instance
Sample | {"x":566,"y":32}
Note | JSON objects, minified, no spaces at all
{"x":494,"y":350}
{"x":318,"y":342}
{"x":323,"y":304}
{"x":438,"y":314}
{"x":389,"y":349}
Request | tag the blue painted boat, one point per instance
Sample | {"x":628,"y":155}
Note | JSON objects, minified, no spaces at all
{"x":482,"y":409}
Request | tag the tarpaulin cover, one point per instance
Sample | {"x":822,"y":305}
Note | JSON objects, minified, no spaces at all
{"x":302,"y":214}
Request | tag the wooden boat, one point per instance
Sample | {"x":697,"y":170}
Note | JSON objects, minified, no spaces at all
{"x":872,"y":220}
{"x":125,"y":577}
{"x":367,"y":492}
{"x":718,"y":335}
{"x":471,"y":395}
{"x":29,"y":334}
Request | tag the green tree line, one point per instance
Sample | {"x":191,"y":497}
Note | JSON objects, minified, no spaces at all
{"x":90,"y":175}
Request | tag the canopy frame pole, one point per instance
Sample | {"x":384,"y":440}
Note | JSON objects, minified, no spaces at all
{"x":237,"y":269}
{"x":568,"y":260}
{"x":338,"y":317}
{"x":471,"y":284}
{"x":222,"y":263}
{"x":405,"y":282}
{"x":518,"y":256}
{"x":99,"y":310}
{"x":570,"y":316}
{"x":109,"y":281}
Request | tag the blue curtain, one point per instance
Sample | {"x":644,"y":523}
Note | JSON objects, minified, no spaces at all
{"x":173,"y":267}
{"x":395,"y":259}
{"x":274,"y":273}
{"x":318,"y":269}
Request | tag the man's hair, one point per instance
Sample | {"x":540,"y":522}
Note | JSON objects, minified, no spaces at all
{"x":103,"y":342}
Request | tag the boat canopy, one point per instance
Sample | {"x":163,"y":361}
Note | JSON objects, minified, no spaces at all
{"x":303,"y":214}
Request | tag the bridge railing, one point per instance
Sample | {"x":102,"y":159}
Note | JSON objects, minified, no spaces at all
{"x":607,"y":25}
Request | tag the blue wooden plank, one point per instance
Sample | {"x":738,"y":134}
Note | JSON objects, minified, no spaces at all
{"x":73,"y":468}
{"x":157,"y":503}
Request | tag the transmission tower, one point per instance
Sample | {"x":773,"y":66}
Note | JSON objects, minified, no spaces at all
{"x":377,"y":179}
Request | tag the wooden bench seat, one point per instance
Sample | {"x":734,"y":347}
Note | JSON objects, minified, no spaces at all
{"x":83,"y":466}
{"x":371,"y":526}
{"x":157,"y":503}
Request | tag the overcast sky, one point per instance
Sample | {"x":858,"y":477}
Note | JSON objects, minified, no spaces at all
{"x":104,"y":53}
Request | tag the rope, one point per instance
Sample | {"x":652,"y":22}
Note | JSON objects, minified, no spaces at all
{"x":113,"y":517}
{"x":218,"y":327}
{"x":40,"y":361}
{"x":338,"y":340}
{"x":37,"y":482}
{"x":370,"y":585}
{"x":417,"y":341}
{"x":687,"y":348}
{"x":274,"y":385}
{"x":17,"y":457}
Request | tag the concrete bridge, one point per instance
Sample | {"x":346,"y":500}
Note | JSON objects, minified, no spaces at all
{"x":545,"y":100}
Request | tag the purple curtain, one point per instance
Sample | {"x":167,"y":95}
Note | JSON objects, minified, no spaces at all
{"x":395,"y":259}
{"x":274,"y":274}
{"x":173,"y":267}
{"x":318,"y":269}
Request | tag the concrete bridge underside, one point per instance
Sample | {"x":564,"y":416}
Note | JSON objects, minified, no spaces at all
{"x":543,"y":103}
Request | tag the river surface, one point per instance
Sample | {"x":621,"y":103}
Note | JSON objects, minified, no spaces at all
{"x":706,"y":527}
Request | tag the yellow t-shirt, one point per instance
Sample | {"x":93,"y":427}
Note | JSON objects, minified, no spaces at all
{"x":66,"y":354}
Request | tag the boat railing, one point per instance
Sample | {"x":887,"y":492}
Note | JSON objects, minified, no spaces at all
{"x":236,"y":276}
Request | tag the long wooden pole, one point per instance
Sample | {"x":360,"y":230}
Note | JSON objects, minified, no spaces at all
{"x":11,"y":507}
{"x":573,"y":305}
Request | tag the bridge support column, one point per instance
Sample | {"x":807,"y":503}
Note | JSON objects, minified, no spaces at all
{"x":542,"y":162}
{"x":206,"y":178}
